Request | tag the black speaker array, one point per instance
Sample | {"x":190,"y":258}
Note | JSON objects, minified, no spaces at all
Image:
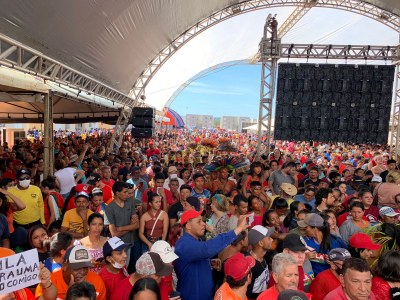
{"x":333,"y":103}
{"x":142,"y":120}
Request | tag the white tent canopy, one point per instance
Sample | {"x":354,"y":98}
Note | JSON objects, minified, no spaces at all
{"x":113,"y":41}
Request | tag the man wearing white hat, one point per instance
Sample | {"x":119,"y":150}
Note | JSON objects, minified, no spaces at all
{"x":173,"y":174}
{"x":167,"y":256}
{"x":389,"y":215}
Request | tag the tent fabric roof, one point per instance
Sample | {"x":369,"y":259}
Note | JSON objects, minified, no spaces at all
{"x":112,"y":41}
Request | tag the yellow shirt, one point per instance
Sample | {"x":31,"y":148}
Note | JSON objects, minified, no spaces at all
{"x":73,"y":221}
{"x":32,"y":198}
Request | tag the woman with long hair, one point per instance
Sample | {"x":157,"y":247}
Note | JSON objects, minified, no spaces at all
{"x":185,"y":175}
{"x":256,"y":173}
{"x":257,"y":210}
{"x":362,"y":246}
{"x":145,"y":289}
{"x":356,"y":223}
{"x":37,"y":235}
{"x":94,"y":242}
{"x":386,"y":282}
{"x":271,"y":219}
{"x":320,"y":240}
{"x":291,"y":218}
{"x":153,"y":223}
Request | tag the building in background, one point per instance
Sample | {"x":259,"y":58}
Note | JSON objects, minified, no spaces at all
{"x":234,"y":123}
{"x":199,"y":121}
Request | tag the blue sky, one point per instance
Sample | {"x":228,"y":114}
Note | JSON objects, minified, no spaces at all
{"x":231,"y":91}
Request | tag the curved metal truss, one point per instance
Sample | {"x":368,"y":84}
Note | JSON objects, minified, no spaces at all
{"x":356,"y":6}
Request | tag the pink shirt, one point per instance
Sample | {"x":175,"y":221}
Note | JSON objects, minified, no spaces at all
{"x":339,"y":294}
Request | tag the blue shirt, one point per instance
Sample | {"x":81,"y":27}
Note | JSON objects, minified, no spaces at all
{"x":205,"y":194}
{"x":193,"y":267}
{"x":303,"y":200}
{"x":320,"y":265}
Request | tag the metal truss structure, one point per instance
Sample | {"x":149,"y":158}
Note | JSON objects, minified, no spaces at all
{"x":395,"y":118}
{"x":356,"y":6}
{"x":295,"y":16}
{"x":351,"y":52}
{"x":270,"y":53}
{"x":119,"y":129}
{"x":22,"y":58}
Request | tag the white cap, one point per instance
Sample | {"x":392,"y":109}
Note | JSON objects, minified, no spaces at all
{"x":388,"y":211}
{"x":165,"y":251}
{"x":376,"y":178}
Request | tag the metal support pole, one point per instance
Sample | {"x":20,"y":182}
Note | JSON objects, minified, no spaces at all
{"x":395,"y":128}
{"x":270,"y":49}
{"x":48,"y":139}
{"x":119,"y":129}
{"x":268,"y":73}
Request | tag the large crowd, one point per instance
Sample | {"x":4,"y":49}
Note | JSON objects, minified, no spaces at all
{"x":197,"y":215}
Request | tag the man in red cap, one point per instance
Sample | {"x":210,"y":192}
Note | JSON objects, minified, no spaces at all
{"x":153,"y":151}
{"x":237,"y":271}
{"x":195,"y":281}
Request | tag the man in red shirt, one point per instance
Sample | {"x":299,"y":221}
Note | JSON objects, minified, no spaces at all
{"x":106,"y":176}
{"x":356,"y":282}
{"x":165,"y":194}
{"x":328,"y":280}
{"x":114,"y":251}
{"x":153,"y":151}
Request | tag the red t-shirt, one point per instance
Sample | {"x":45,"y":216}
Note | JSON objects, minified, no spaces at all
{"x":272,"y":294}
{"x":323,"y":284}
{"x":150,"y":152}
{"x":110,"y":182}
{"x":111,"y":280}
{"x":123,"y":290}
{"x":380,"y":288}
{"x":166,"y":287}
{"x":168,"y":194}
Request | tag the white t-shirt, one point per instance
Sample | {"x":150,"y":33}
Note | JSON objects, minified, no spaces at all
{"x":66,"y":179}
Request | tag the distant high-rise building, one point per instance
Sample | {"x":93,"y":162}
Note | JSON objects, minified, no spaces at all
{"x":199,"y":121}
{"x":233,"y":123}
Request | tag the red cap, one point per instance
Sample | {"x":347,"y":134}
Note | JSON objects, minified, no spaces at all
{"x":188,"y":215}
{"x":17,"y":162}
{"x":82,"y":188}
{"x":238,"y":266}
{"x":363,"y":241}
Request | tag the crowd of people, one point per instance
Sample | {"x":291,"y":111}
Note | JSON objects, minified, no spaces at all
{"x":196,"y":214}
